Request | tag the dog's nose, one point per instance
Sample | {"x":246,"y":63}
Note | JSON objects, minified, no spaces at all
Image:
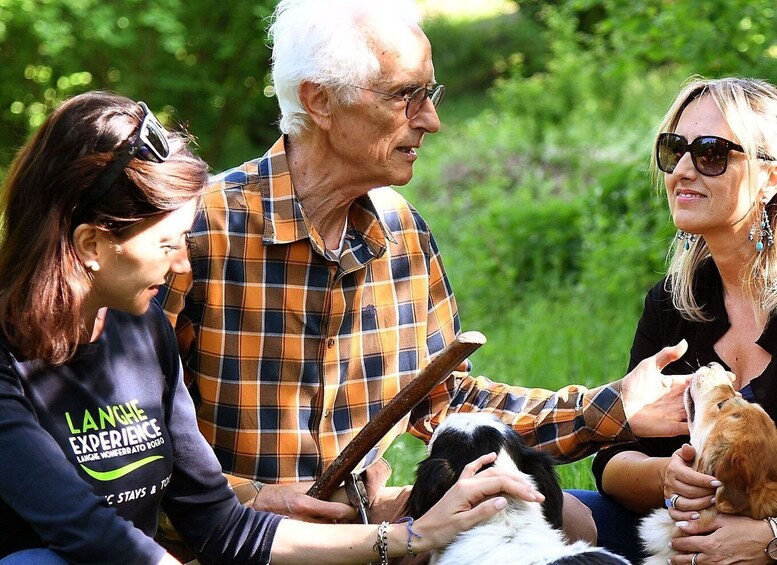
{"x":715,"y":367}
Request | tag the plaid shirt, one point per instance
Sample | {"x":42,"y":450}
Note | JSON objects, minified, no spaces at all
{"x":292,"y":350}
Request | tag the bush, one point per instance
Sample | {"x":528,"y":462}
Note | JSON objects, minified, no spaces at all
{"x":470,"y":54}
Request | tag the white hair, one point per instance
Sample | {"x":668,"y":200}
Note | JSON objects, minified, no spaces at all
{"x":327,"y":42}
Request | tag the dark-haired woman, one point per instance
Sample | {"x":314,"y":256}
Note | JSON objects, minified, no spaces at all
{"x":97,"y":431}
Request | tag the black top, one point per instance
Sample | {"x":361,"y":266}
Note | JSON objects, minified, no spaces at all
{"x":662,"y":325}
{"x":91,"y":449}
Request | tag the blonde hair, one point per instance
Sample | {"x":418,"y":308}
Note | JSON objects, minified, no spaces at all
{"x":749,"y":106}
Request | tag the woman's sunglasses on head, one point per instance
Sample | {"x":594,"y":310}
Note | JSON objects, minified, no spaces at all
{"x":709,"y":153}
{"x":148,"y":144}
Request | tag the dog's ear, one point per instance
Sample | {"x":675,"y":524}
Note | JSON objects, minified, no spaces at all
{"x":433,"y":479}
{"x":735,"y":454}
{"x":747,"y":488}
{"x":723,"y":459}
{"x":757,"y":502}
{"x":542,"y":468}
{"x":732,"y":499}
{"x":763,"y":500}
{"x":547,"y":483}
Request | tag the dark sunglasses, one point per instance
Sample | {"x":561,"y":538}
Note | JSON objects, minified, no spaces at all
{"x":148,"y":144}
{"x":415,"y":99}
{"x":709,"y":153}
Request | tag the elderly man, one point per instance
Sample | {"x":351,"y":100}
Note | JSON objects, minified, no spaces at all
{"x":318,"y":292}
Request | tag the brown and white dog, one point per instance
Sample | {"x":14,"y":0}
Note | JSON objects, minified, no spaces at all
{"x":736,"y":442}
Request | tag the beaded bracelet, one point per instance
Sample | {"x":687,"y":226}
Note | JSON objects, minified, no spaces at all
{"x":411,"y":533}
{"x":381,"y":544}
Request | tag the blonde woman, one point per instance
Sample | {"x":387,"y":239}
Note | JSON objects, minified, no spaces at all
{"x":714,"y":157}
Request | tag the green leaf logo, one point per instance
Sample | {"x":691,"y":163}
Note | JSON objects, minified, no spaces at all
{"x":121,"y":471}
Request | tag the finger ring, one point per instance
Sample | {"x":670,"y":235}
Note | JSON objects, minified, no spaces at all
{"x":673,"y":502}
{"x":694,"y":557}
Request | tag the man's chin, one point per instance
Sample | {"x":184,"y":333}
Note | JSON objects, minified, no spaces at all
{"x":402,"y":179}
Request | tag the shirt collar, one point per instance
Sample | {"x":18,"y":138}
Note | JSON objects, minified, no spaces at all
{"x":286,"y":221}
{"x":768,"y":339}
{"x":709,"y":278}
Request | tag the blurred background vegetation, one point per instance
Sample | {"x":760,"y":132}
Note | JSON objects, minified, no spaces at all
{"x":536,"y":186}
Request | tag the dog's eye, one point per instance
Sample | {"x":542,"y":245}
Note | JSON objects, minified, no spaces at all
{"x":722,"y":402}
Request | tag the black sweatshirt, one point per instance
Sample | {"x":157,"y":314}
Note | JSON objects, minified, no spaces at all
{"x":91,"y":449}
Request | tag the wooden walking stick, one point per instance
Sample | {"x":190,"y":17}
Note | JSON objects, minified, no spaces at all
{"x":438,"y":369}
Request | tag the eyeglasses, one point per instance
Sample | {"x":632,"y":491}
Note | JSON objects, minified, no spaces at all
{"x":709,"y":153}
{"x":415,"y":99}
{"x":149,"y":144}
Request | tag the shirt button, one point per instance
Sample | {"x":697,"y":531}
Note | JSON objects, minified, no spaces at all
{"x":330,"y":342}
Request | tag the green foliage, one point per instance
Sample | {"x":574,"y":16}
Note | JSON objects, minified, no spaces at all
{"x":711,"y":38}
{"x":198,"y":61}
{"x":627,"y":236}
{"x":542,"y":203}
{"x":470,"y":54}
{"x":404,"y":454}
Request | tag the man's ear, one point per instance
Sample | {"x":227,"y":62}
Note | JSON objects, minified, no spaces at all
{"x":317,"y":101}
{"x":87,"y":240}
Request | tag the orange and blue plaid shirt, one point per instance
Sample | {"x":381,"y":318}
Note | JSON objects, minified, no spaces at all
{"x":290,"y":350}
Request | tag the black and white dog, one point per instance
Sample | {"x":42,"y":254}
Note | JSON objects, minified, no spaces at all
{"x":528,"y":533}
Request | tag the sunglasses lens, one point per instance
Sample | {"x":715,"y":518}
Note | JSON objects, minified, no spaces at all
{"x":669,"y":150}
{"x":154,"y":142}
{"x":710,"y":155}
{"x":151,"y":141}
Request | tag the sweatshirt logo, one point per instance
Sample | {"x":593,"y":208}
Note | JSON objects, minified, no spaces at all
{"x":121,"y":471}
{"x":113,"y":431}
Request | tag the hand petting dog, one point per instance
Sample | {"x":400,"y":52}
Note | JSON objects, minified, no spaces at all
{"x":653,"y":402}
{"x":695,"y":491}
{"x":726,"y":540}
{"x":476,"y":496}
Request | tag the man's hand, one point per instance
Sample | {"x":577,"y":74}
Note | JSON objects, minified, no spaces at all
{"x":653,"y":402}
{"x":290,"y":500}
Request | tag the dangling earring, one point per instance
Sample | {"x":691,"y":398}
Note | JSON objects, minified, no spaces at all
{"x":688,"y":238}
{"x":761,"y":231}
